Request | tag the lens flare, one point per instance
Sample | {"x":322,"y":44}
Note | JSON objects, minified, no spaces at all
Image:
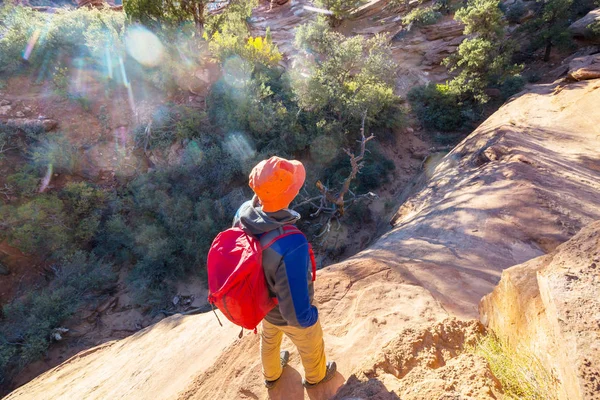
{"x":31,"y":44}
{"x":144,"y":46}
{"x":46,"y":180}
{"x":318,"y":10}
{"x":238,"y":145}
{"x":108,"y":60}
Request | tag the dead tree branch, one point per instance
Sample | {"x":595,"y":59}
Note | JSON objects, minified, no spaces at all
{"x":356,"y":162}
{"x":332,"y":204}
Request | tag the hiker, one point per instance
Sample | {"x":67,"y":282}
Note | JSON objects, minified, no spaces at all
{"x":287,"y":267}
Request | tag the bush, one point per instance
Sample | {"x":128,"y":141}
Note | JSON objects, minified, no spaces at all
{"x":56,"y":153}
{"x":26,"y":181}
{"x":422,"y":16}
{"x":512,"y":85}
{"x":437,"y":107}
{"x":483,"y":60}
{"x":159,"y":13}
{"x":172,"y":123}
{"x":338,"y":79}
{"x":515,"y":12}
{"x":75,"y":33}
{"x":375,"y":172}
{"x":341,"y":9}
{"x":84,"y":205}
{"x":29,"y":322}
{"x":166,"y":220}
{"x":38,"y":226}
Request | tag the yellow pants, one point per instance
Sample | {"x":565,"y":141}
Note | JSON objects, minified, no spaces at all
{"x":308,"y":341}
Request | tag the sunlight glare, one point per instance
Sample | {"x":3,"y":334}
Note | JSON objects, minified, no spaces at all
{"x":144,"y":46}
{"x":31,"y":44}
{"x":46,"y":180}
{"x":238,"y":145}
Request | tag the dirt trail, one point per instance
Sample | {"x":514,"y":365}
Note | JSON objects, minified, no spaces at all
{"x":522,"y":183}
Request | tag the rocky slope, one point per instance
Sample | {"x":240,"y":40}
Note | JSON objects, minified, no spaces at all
{"x":524,"y":182}
{"x":549,"y":306}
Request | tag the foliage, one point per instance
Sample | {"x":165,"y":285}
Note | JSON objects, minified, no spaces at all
{"x":54,"y":224}
{"x":514,"y":12}
{"x":28,"y":323}
{"x":338,"y":79}
{"x":484,"y":59}
{"x":167,"y":220}
{"x":594,"y":27}
{"x":26,"y":181}
{"x":521,"y":374}
{"x":512,"y":85}
{"x":84,"y":205}
{"x":159,"y":13}
{"x":341,"y":9}
{"x":55,"y":152}
{"x":422,"y":16}
{"x":549,"y":27}
{"x":37,"y":226}
{"x":256,"y":50}
{"x":376,"y":171}
{"x":79,"y":33}
{"x":438,"y":107}
{"x":171,"y":123}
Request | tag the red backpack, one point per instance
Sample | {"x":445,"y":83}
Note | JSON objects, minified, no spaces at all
{"x":236,"y":279}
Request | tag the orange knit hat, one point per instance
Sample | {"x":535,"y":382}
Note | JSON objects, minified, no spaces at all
{"x":276,"y":182}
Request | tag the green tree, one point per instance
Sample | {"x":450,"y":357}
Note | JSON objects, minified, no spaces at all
{"x":159,"y":13}
{"x":338,"y":79}
{"x":484,"y":59}
{"x":549,"y":28}
{"x":340,"y":9}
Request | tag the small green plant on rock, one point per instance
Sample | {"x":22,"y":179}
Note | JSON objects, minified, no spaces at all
{"x":422,"y":16}
{"x":521,"y":374}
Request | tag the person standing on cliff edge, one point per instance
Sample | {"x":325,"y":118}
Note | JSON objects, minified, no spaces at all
{"x":287,"y":266}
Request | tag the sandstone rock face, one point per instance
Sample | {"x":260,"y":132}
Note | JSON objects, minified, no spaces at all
{"x":581,"y":28}
{"x":446,"y":30}
{"x":551,"y":306}
{"x":584,"y":68}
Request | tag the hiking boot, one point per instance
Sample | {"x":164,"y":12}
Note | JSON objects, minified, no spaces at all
{"x":284,"y":357}
{"x":331,"y":370}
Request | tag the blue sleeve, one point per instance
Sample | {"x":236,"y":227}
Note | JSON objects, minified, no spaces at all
{"x":292,"y":280}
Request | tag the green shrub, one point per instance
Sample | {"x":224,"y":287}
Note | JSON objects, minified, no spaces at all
{"x":156,"y":14}
{"x":55,"y":152}
{"x":375,"y":172}
{"x":28,"y":322}
{"x":166,"y":220}
{"x":26,"y":181}
{"x":422,"y":16}
{"x":76,"y":33}
{"x":512,"y":85}
{"x":341,"y":9}
{"x":515,"y":12}
{"x":172,"y":123}
{"x":338,"y":79}
{"x":38,"y":226}
{"x":84,"y":205}
{"x":437,"y":107}
{"x":485,"y":59}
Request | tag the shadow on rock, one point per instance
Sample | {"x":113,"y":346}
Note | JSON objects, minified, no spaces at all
{"x":373,"y":389}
